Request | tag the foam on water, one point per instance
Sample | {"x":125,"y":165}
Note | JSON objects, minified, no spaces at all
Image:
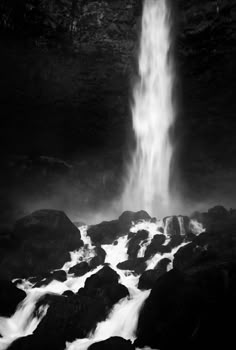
{"x":123,"y":318}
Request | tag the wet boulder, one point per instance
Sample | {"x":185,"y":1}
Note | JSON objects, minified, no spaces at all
{"x":10,"y":297}
{"x":171,"y":312}
{"x":104,"y":284}
{"x":79,"y":269}
{"x":163,"y":263}
{"x":127,"y":217}
{"x":188,"y":309}
{"x":113,"y":343}
{"x":155,"y":246}
{"x":99,"y":258}
{"x":175,"y":241}
{"x":104,"y":276}
{"x":44,"y":239}
{"x":108,"y":231}
{"x":38,"y":342}
{"x":149,"y":277}
{"x":137,"y":265}
{"x":134,"y":242}
{"x":172,"y":226}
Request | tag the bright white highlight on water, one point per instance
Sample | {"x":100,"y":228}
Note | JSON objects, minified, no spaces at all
{"x":123,"y":318}
{"x":153,"y":114}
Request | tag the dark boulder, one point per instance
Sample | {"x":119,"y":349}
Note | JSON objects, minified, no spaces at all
{"x":59,"y":275}
{"x":72,"y":317}
{"x":171,"y":312}
{"x":127,"y":217}
{"x":44,"y":240}
{"x":175,"y":241}
{"x":187,"y":256}
{"x":163,"y":263}
{"x":39,"y":342}
{"x":134,"y":242}
{"x":103,"y":277}
{"x":105,"y":232}
{"x":137,"y":265}
{"x":172,"y":226}
{"x":149,"y":277}
{"x":155,"y":246}
{"x":99,"y":258}
{"x":108,"y":231}
{"x":10,"y":297}
{"x":80,"y":269}
{"x":190,"y":310}
{"x":113,"y":343}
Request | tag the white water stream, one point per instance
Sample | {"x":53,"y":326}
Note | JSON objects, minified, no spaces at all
{"x":123,"y":318}
{"x":147,"y":185}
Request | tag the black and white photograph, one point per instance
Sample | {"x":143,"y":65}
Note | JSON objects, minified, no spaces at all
{"x":117,"y":174}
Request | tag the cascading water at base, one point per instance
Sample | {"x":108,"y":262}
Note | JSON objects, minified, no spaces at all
{"x":147,"y":184}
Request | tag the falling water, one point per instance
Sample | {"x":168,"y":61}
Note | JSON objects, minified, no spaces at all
{"x":153,"y":114}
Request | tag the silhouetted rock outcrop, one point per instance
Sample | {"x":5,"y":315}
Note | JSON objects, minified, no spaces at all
{"x":42,"y":242}
{"x":10,"y":297}
{"x":137,"y":265}
{"x":113,"y":343}
{"x":108,"y":231}
{"x":80,"y":269}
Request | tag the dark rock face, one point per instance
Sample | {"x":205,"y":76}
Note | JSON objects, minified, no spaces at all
{"x":137,"y":265}
{"x":42,"y":241}
{"x":149,"y":277}
{"x":113,"y":343}
{"x":108,"y":231}
{"x":134,"y":243}
{"x":99,"y":259}
{"x":172,"y":226}
{"x":156,"y":246}
{"x":10,"y":297}
{"x":192,"y":305}
{"x":182,"y":309}
{"x":80,"y":269}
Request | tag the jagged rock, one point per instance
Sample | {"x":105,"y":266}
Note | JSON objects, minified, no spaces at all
{"x":134,"y":242}
{"x":113,"y":343}
{"x":44,"y":240}
{"x":80,"y":269}
{"x":10,"y":297}
{"x":137,"y":265}
{"x":155,"y":246}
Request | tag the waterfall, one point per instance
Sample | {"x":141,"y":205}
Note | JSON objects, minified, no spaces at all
{"x":147,"y":184}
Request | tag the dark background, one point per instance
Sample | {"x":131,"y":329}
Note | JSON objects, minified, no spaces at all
{"x":67,"y":68}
